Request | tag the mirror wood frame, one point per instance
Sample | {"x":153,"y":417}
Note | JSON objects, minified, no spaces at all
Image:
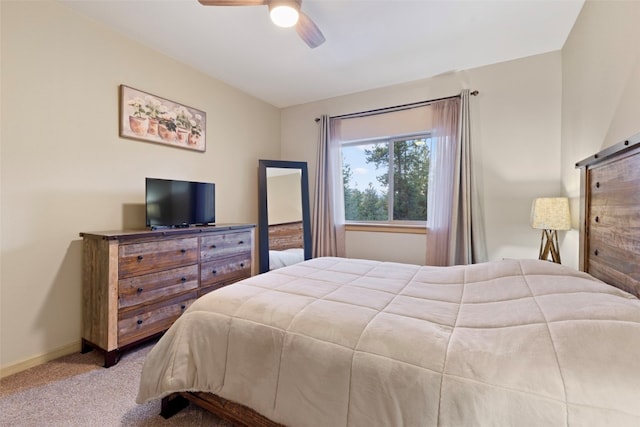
{"x":263,"y":220}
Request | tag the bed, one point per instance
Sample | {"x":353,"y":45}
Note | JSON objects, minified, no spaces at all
{"x":334,"y":341}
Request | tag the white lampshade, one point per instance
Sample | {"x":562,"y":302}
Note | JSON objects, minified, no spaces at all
{"x":551,"y":213}
{"x":284,"y":13}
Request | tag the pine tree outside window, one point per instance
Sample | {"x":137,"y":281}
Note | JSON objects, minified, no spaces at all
{"x":379,"y":187}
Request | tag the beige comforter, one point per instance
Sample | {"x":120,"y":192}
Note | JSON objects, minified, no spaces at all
{"x":335,"y":342}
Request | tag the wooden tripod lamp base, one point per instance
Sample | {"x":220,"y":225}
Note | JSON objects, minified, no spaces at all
{"x":550,"y":214}
{"x":549,"y":246}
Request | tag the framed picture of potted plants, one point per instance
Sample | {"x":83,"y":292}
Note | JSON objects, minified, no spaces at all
{"x":150,"y":118}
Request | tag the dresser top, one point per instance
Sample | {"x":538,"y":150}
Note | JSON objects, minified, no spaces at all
{"x":146,"y":232}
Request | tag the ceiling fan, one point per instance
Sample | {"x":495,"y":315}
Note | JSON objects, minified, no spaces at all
{"x":284,"y":13}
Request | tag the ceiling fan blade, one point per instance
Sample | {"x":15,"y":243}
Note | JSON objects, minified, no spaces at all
{"x":233,"y":2}
{"x":309,"y":31}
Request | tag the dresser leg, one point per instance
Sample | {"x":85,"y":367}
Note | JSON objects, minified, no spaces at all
{"x":86,"y":346}
{"x":111,"y":358}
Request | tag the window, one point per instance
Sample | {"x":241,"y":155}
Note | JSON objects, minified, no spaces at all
{"x":379,"y":187}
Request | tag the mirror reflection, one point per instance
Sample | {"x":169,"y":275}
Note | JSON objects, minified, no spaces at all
{"x":285,"y":236}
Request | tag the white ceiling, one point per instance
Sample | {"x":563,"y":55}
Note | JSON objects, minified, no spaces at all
{"x":370,"y":43}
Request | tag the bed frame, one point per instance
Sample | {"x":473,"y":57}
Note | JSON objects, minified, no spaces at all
{"x":235,"y":413}
{"x":609,"y":250}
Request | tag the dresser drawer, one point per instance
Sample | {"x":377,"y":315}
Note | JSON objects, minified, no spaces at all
{"x":143,"y":322}
{"x":141,"y":258}
{"x":156,"y":286}
{"x":222,"y":245}
{"x":205,"y":289}
{"x":225,"y":270}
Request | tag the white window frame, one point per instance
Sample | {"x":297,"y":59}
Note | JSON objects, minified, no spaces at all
{"x":389,"y":140}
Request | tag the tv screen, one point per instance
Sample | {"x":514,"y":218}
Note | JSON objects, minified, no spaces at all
{"x":172,"y":203}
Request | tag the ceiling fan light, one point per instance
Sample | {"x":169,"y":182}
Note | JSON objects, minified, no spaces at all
{"x":284,"y":14}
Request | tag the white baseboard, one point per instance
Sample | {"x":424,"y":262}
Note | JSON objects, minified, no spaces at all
{"x":5,"y":371}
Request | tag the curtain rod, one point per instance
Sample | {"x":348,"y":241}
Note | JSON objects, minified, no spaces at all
{"x":397,"y":107}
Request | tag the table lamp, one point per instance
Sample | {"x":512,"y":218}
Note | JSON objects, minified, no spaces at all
{"x":550,"y":214}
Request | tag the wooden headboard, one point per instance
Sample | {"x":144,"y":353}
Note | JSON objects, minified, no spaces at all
{"x":610,"y":215}
{"x":285,"y":236}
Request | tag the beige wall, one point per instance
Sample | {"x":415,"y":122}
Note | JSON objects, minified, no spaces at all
{"x":600,"y":91}
{"x":398,"y":247}
{"x":65,"y":170}
{"x":284,"y":196}
{"x":516,"y":128}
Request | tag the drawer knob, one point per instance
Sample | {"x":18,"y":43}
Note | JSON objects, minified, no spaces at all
{"x":139,"y":322}
{"x":183,"y":306}
{"x":214,"y":272}
{"x":241,"y":242}
{"x":184,"y":251}
{"x":139,"y":290}
{"x":597,"y":185}
{"x":242,"y":264}
{"x":213,"y":246}
{"x":183,"y":279}
{"x":140,"y":257}
{"x":595,"y":252}
{"x":597,"y":219}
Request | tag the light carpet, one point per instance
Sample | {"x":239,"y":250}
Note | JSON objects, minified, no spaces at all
{"x":77,"y":391}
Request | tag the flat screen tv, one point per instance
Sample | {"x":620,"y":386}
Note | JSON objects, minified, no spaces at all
{"x":173,"y":203}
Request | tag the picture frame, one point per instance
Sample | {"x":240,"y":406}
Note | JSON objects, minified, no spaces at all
{"x":150,"y":118}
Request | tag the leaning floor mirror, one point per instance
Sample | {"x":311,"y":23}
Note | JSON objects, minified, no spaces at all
{"x":284,"y":224}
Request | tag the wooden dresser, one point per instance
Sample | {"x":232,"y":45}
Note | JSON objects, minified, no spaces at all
{"x":135,"y":284}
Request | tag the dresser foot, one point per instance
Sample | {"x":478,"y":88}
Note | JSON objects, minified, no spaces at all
{"x":86,"y":346}
{"x":111,"y":358}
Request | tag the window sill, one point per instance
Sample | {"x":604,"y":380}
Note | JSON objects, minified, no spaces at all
{"x":387,"y":228}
